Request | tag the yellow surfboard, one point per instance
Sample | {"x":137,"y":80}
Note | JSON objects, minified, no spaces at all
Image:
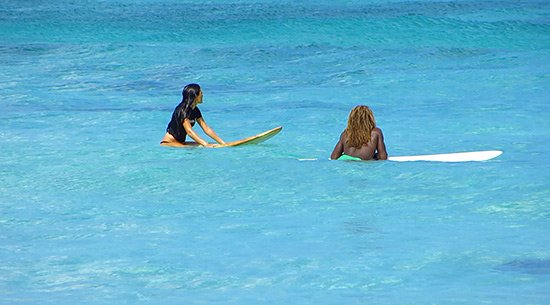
{"x":259,"y":138}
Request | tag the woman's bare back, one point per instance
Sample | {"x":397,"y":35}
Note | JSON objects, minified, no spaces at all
{"x":374,"y":149}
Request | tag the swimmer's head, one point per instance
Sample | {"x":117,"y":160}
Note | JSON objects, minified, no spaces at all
{"x":192,"y":95}
{"x":361,"y":122}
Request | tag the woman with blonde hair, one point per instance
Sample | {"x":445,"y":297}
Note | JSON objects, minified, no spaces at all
{"x":361,"y":140}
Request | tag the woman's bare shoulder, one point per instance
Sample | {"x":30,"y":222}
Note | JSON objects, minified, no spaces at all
{"x":343,"y":135}
{"x":376,"y":131}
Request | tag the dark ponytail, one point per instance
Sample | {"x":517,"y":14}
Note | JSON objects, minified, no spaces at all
{"x":189,"y":95}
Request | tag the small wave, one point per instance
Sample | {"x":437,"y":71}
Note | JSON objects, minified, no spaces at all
{"x":529,"y":266}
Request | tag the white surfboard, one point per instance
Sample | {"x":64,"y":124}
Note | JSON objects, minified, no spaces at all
{"x":452,"y":157}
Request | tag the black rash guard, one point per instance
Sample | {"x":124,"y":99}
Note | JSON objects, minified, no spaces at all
{"x":175,"y":127}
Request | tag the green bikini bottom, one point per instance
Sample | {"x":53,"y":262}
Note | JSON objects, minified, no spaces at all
{"x":349,"y":158}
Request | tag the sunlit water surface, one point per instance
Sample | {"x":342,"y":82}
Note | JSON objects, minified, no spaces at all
{"x":94,"y":211}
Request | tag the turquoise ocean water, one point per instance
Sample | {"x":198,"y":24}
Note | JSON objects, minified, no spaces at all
{"x":94,"y":211}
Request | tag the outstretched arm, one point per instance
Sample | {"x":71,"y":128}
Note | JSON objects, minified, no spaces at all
{"x":193,"y":134}
{"x":381,"y":147}
{"x":209,"y":131}
{"x":338,"y":149}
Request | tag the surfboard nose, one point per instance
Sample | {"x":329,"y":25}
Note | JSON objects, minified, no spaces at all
{"x":452,"y":157}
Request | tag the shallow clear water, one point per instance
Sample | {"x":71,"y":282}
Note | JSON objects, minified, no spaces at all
{"x":94,"y":211}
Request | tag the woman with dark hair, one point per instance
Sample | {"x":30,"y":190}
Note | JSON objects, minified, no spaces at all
{"x":183,"y":119}
{"x":361,"y":140}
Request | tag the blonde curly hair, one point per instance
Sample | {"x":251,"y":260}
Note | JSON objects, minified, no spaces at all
{"x":360,"y":125}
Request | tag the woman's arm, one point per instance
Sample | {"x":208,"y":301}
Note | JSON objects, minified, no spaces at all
{"x":381,"y":146}
{"x":338,"y":149}
{"x":193,"y":134}
{"x":209,"y":131}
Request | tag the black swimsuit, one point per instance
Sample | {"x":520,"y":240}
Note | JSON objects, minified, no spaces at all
{"x":175,"y":127}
